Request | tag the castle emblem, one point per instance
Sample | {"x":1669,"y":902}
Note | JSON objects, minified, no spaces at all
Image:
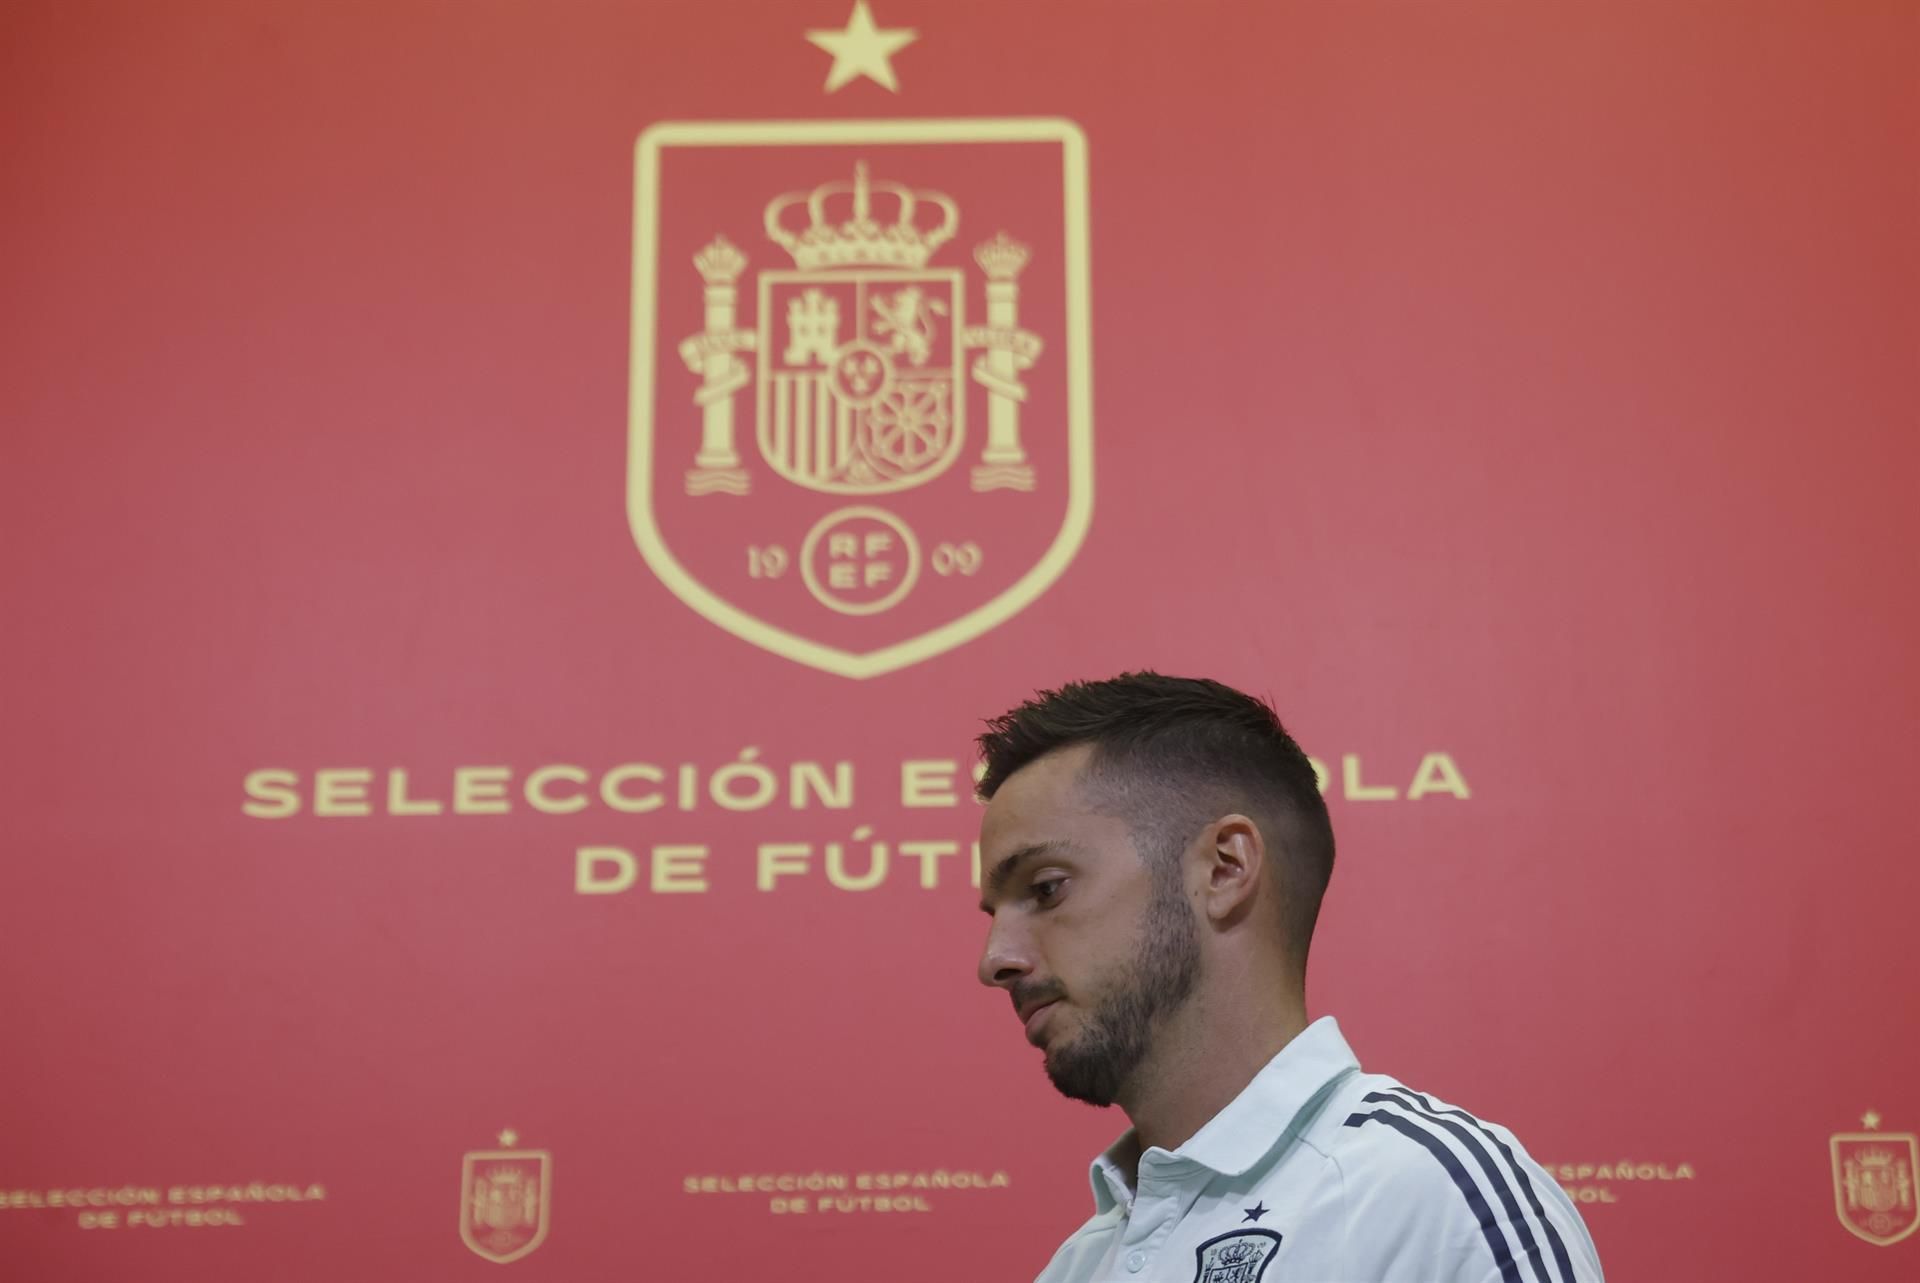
{"x":850,"y":445}
{"x":506,"y":1196}
{"x":1874,"y":1174}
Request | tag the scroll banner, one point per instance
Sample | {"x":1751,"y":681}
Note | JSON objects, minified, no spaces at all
{"x":517,"y":512}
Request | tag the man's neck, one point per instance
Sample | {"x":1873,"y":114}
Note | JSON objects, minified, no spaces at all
{"x":1203,"y":1058}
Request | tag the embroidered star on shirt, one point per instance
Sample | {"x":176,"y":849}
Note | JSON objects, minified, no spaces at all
{"x":1255,"y":1212}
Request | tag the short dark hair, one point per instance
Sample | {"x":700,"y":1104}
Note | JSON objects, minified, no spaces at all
{"x":1171,"y":755}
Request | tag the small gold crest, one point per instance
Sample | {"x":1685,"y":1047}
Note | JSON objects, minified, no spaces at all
{"x":1873,"y":1182}
{"x":506,"y":1196}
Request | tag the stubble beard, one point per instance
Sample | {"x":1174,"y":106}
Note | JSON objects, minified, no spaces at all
{"x":1096,"y":1065}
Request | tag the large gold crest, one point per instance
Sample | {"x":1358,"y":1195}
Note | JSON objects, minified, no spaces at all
{"x":860,"y":433}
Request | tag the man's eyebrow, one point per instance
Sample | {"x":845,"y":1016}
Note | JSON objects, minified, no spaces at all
{"x":1004,"y":869}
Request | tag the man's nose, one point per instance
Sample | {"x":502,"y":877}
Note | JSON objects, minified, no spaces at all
{"x":1006,"y":958}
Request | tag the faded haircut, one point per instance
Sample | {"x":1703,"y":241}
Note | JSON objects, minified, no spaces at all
{"x":1170,"y":756}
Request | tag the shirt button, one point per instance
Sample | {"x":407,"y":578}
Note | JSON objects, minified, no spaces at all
{"x":1136,"y":1261}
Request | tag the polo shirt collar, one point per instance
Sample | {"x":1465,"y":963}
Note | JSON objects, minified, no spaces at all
{"x":1243,"y":1133}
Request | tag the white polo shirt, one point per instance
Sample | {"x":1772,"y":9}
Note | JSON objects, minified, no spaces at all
{"x":1318,"y":1173}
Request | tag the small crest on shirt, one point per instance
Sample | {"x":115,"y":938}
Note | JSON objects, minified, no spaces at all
{"x":1239,"y":1257}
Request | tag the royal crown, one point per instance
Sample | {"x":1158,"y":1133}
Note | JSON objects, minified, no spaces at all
{"x":842,"y":231}
{"x":720,"y":262}
{"x":1002,"y":258}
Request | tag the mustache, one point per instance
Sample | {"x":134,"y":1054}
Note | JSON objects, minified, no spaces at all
{"x":1035,"y":992}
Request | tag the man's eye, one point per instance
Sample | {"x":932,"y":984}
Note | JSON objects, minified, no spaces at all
{"x":1048,"y":889}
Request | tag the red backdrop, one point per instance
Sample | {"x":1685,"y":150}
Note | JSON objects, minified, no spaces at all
{"x":1523,"y":397}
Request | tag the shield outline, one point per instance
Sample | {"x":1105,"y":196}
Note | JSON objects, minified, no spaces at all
{"x":467,"y":1161}
{"x":1839,"y":1183}
{"x":956,"y":282}
{"x":1079,"y":366}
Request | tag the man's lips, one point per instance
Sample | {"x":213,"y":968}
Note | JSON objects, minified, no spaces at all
{"x":1034,"y":1015}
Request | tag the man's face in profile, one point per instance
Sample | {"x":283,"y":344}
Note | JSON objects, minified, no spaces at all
{"x":1092,"y":941}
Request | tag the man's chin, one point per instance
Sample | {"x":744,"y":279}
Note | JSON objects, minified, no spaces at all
{"x":1077,"y":1081}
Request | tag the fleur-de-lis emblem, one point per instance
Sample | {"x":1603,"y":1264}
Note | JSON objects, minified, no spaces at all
{"x":862,"y":371}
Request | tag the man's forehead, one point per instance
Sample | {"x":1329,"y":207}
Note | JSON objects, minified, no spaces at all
{"x":1051,"y":781}
{"x":1041,"y":803}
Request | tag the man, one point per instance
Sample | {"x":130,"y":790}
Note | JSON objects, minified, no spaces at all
{"x":1155,"y":851}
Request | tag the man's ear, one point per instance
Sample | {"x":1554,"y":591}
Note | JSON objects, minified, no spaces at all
{"x":1235,"y":863}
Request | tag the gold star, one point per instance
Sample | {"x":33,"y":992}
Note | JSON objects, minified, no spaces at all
{"x":509,"y":1138}
{"x":862,"y":49}
{"x":1870,"y":1120}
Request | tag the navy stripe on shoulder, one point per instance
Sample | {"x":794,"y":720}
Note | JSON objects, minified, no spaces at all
{"x":1489,"y":1226}
{"x":1554,"y":1240}
{"x":1496,"y":1181}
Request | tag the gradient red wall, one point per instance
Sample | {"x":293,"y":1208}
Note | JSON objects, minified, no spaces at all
{"x":1524,"y":386}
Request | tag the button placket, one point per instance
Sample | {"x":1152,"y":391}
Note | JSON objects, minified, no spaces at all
{"x":1157,"y":1207}
{"x":1143,"y":1227}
